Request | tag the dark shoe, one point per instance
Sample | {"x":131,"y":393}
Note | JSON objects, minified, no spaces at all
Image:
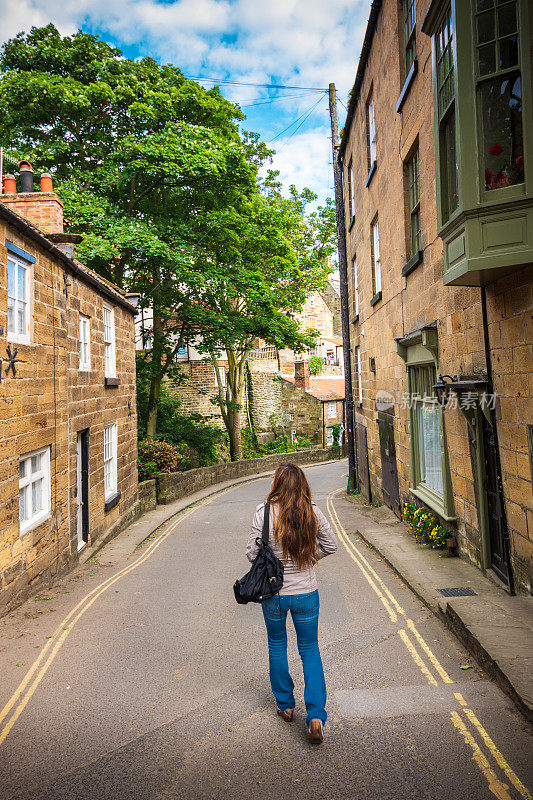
{"x":315,"y":732}
{"x":286,"y":715}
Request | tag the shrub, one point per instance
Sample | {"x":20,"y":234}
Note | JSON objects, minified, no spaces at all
{"x":157,"y":457}
{"x":425,"y":526}
{"x":336,"y":435}
{"x":316,"y":365}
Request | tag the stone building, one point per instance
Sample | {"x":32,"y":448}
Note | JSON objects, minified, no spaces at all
{"x":437,"y":155}
{"x":68,"y":472}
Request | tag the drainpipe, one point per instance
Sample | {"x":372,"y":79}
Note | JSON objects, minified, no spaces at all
{"x":490,"y":382}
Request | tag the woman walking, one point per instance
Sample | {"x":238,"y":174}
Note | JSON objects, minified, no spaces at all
{"x":299,"y":536}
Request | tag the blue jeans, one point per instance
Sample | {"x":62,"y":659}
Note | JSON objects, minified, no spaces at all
{"x":304,"y":610}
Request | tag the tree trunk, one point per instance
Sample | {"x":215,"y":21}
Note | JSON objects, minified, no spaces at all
{"x":157,"y":370}
{"x":234,"y":432}
{"x":153,"y":405}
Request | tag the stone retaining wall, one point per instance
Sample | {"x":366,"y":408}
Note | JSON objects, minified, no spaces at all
{"x":176,"y":485}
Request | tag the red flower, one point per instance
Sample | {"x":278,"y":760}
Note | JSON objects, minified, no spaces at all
{"x":520,"y":162}
{"x":496,"y":150}
{"x":488,"y":177}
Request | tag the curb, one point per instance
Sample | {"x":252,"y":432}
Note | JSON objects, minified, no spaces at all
{"x":453,"y":621}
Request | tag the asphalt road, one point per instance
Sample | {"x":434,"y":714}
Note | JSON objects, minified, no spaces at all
{"x":154,"y":683}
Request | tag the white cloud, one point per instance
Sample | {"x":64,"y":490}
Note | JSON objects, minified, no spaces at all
{"x":302,"y":42}
{"x":305,"y":161}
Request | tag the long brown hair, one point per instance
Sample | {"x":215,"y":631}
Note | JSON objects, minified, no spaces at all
{"x":296,"y":525}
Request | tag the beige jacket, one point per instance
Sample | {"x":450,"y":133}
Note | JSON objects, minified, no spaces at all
{"x":295,"y":581}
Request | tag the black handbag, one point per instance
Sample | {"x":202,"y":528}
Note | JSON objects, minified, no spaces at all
{"x":265,"y":578}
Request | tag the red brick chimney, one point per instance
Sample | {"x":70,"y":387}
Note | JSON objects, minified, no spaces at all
{"x":301,"y":374}
{"x":44,"y":209}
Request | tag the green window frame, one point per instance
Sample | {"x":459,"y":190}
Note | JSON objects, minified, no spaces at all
{"x":409,"y":33}
{"x":445,"y":87}
{"x":498,"y":88}
{"x":430,"y":479}
{"x":413,"y":192}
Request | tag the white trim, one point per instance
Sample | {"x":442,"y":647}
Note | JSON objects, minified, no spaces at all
{"x":332,"y":409}
{"x":356,"y":285}
{"x":111,"y":489}
{"x":25,"y":486}
{"x":14,"y":335}
{"x":110,"y":360}
{"x":371,"y":130}
{"x":84,"y":338}
{"x":359,"y":375}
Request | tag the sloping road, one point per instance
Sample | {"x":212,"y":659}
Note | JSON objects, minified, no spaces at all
{"x":154,"y":685}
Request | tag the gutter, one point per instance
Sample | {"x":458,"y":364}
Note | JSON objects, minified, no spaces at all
{"x":363,"y":59}
{"x":32,"y":233}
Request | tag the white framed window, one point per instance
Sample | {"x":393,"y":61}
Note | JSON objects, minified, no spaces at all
{"x":351,"y":196}
{"x":293,"y":436}
{"x":84,"y":343}
{"x":376,"y":257}
{"x":371,"y":132}
{"x":110,"y":460}
{"x":291,"y":417}
{"x":291,"y":405}
{"x":18,"y":299}
{"x":332,"y":409}
{"x":355,"y":286}
{"x":359,"y":375}
{"x":34,"y":488}
{"x":110,"y":365}
{"x":222,"y":373}
{"x":329,"y":436}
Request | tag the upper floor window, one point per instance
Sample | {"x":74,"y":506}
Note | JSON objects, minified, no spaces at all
{"x":359,"y":375}
{"x":355,"y":286}
{"x":370,"y":134}
{"x":332,"y":409}
{"x":34,"y":488}
{"x":449,"y":166}
{"x":110,"y":366}
{"x":351,"y":196}
{"x":413,"y":184}
{"x":499,"y":91}
{"x":409,"y":33}
{"x":376,"y":256}
{"x":84,"y":343}
{"x":18,"y":294}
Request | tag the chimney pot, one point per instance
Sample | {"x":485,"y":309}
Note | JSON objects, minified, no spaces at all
{"x":26,"y":177}
{"x":10,"y":184}
{"x":46,"y":182}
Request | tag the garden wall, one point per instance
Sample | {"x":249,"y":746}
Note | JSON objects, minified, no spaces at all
{"x":176,"y":485}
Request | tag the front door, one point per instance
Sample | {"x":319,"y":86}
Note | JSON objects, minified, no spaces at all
{"x":499,"y":545}
{"x":389,"y":469}
{"x":82,"y":486}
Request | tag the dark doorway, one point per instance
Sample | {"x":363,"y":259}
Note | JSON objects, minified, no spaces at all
{"x":82,"y":486}
{"x":362,"y":461}
{"x":389,"y":469}
{"x":499,"y":537}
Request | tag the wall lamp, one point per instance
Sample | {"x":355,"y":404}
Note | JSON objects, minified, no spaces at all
{"x":443,"y":388}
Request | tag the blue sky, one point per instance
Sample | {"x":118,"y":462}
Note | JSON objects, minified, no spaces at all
{"x":304,"y":43}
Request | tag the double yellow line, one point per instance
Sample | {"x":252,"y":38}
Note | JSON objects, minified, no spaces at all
{"x":434,"y":671}
{"x":26,"y":688}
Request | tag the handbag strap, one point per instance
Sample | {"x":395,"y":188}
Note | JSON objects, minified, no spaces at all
{"x":266,"y":516}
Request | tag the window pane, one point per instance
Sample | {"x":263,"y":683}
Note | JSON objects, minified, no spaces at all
{"x":429,"y":447}
{"x":10,"y":315}
{"x":481,"y":5}
{"x":21,"y":284}
{"x":507,"y":20}
{"x":22,"y":469}
{"x":21,"y":317}
{"x":487,"y":59}
{"x":503,"y":144}
{"x":22,"y":505}
{"x":35,"y":463}
{"x":485,"y":27}
{"x":449,"y":167}
{"x":508,"y":52}
{"x":36,"y":496}
{"x":11,"y":278}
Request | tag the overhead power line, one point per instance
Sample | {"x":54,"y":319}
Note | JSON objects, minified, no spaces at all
{"x":302,"y":117}
{"x":263,"y":85}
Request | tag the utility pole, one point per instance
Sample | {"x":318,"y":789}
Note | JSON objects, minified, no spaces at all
{"x":343,"y":273}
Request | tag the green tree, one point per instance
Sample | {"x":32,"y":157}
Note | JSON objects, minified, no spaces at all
{"x":137,"y":153}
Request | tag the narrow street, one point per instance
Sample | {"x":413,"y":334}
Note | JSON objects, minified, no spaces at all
{"x":154,"y":683}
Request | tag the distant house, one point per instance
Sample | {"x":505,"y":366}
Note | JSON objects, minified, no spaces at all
{"x":67,"y":396}
{"x":312,"y":406}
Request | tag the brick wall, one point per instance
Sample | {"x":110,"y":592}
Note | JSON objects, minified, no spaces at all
{"x":43,"y":209}
{"x":408,"y":303}
{"x":45,"y":405}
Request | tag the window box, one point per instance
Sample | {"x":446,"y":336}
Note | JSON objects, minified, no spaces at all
{"x":355,"y":320}
{"x":34,"y":489}
{"x":413,"y":263}
{"x":407,"y":85}
{"x":112,"y":381}
{"x":113,"y":500}
{"x":352,"y":223}
{"x":376,"y":298}
{"x":371,"y":173}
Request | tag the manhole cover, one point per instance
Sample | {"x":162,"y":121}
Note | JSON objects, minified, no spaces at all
{"x":458,"y":593}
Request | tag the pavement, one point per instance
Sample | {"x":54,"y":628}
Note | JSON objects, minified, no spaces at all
{"x":495,"y":627}
{"x":138,"y":676}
